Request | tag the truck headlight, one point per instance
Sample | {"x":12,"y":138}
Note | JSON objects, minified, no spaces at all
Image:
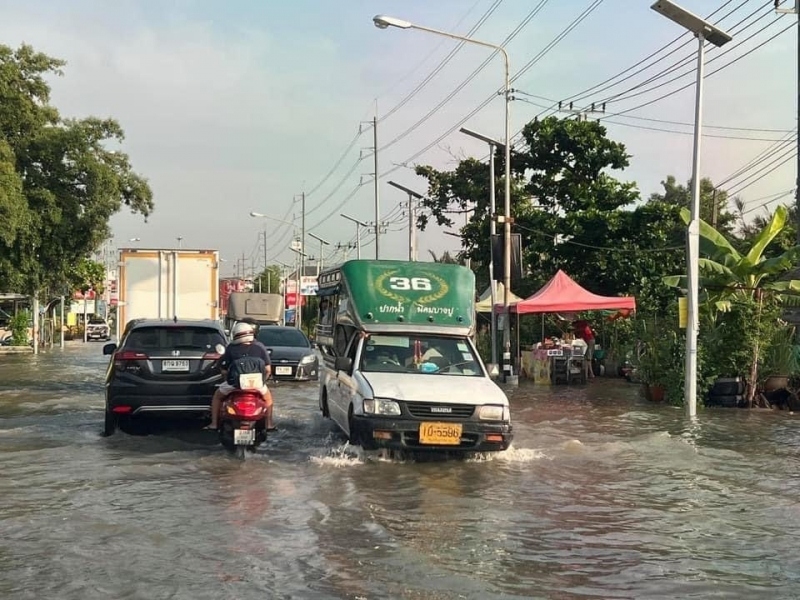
{"x":379,"y":406}
{"x":308,"y":359}
{"x":493,"y":412}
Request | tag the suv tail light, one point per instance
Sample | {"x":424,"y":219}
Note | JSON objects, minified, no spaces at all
{"x":121,"y":359}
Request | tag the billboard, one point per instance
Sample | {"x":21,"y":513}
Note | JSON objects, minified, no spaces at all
{"x":308,"y":286}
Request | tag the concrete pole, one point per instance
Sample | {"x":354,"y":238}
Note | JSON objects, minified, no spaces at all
{"x":693,"y":245}
{"x":35,"y":315}
{"x":507,"y":225}
{"x":377,"y":187}
{"x":492,"y":233}
{"x":61,"y":342}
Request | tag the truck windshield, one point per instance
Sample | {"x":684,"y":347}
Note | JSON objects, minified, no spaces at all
{"x":429,"y":354}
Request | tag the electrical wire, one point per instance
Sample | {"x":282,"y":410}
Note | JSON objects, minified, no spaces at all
{"x":444,"y":61}
{"x":759,"y":158}
{"x":633,"y":93}
{"x":594,"y":89}
{"x":593,"y":5}
{"x":528,"y":18}
{"x":680,"y":89}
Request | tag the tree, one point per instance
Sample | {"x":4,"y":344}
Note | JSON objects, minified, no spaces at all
{"x":713,"y":202}
{"x":269,"y":280}
{"x":65,"y":183}
{"x":570,"y":211}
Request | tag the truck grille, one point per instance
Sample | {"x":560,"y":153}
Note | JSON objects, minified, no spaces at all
{"x":436,"y":410}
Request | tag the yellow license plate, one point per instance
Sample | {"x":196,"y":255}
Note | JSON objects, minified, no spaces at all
{"x":445,"y":434}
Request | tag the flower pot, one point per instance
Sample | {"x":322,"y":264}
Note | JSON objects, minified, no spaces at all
{"x":654,"y":393}
{"x":776,"y":382}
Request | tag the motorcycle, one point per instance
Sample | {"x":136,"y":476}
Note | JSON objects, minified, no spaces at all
{"x":242,"y":422}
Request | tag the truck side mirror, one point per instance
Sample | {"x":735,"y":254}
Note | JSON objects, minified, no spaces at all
{"x":343,"y":363}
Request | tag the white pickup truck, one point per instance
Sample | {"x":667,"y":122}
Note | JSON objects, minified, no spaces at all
{"x":98,"y":329}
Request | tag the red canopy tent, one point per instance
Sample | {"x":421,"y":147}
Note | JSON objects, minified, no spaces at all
{"x":562,"y":294}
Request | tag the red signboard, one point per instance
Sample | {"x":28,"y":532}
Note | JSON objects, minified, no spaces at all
{"x":79,"y":295}
{"x":291,"y":300}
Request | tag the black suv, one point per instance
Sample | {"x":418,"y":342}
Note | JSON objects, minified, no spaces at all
{"x":162,"y":368}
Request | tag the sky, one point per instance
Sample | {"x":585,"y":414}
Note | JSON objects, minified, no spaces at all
{"x":239,"y":106}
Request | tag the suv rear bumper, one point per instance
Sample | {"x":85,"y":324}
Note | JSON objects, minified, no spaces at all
{"x":160,"y":401}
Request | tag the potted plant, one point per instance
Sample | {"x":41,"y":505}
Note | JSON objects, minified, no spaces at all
{"x":780,"y":362}
{"x":655,"y":362}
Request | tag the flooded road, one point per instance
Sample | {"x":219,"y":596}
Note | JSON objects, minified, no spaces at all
{"x":601,"y":496}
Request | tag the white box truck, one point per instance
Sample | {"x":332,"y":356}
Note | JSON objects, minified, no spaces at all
{"x":159,"y":283}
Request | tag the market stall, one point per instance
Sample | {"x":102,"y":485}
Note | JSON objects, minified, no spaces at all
{"x":557,"y":361}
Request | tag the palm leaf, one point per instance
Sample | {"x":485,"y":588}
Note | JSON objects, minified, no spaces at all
{"x":766,"y":235}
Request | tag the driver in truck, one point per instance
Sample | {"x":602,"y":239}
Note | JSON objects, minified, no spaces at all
{"x":243,"y":343}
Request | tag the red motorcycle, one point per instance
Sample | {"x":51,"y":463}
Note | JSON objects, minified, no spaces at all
{"x":243,"y":421}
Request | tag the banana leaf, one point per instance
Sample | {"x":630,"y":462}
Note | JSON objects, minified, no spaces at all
{"x":766,"y":235}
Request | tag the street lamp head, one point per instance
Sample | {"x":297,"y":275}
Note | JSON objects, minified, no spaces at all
{"x":405,"y":189}
{"x":384,"y":22}
{"x":692,"y":22}
{"x":256,"y":214}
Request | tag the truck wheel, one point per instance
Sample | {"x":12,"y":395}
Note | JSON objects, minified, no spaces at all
{"x":324,"y":405}
{"x":357,"y":439}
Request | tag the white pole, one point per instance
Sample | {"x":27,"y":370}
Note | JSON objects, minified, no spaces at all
{"x":358,"y":241}
{"x":492,"y":231}
{"x":85,"y":318}
{"x":507,"y":225}
{"x":61,"y":343}
{"x":377,"y":187}
{"x":410,"y":227}
{"x":693,"y":247}
{"x":35,"y":315}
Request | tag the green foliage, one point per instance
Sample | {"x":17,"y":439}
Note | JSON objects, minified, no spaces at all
{"x":19,"y":325}
{"x":779,"y":356}
{"x":87,"y":275}
{"x":269,"y":280}
{"x":59,"y":180}
{"x":561,"y":189}
{"x":679,"y":196}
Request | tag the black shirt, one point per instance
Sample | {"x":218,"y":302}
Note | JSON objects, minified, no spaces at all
{"x":236,"y":351}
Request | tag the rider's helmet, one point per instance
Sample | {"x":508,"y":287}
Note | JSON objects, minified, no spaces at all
{"x":242,"y":333}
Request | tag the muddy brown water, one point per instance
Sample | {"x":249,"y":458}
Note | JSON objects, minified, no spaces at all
{"x":601,"y":496}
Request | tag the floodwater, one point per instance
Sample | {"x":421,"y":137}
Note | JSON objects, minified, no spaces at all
{"x":601,"y":496}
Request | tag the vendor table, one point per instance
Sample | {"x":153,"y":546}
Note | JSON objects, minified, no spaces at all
{"x":564,"y":364}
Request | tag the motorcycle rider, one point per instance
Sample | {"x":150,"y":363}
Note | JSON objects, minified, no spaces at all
{"x":243,"y":343}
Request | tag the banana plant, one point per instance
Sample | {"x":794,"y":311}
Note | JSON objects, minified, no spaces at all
{"x":726,"y":274}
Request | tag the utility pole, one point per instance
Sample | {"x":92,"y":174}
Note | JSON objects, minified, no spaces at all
{"x":412,"y":213}
{"x":269,"y":291}
{"x":795,"y":11}
{"x":321,"y":250}
{"x":359,"y":225}
{"x":377,"y":198}
{"x":374,"y":124}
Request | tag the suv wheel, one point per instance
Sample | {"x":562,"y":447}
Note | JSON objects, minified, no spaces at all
{"x":110,"y":424}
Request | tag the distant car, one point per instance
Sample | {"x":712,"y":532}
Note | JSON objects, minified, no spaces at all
{"x":98,"y":329}
{"x":292,"y":355}
{"x":163,"y":368}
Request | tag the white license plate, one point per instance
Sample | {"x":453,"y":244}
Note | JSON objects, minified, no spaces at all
{"x":283,"y":370}
{"x":174,"y":365}
{"x":244,"y":437}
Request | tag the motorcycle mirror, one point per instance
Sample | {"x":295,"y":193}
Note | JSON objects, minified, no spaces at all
{"x":220,"y":349}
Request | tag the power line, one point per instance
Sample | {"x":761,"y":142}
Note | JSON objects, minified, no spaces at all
{"x":632,"y":93}
{"x":770,"y":151}
{"x":766,"y":170}
{"x":469,"y":78}
{"x":593,"y":5}
{"x":680,"y":89}
{"x":444,"y":61}
{"x":594,"y":89}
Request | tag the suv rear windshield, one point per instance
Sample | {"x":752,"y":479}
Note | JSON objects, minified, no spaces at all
{"x":288,"y":336}
{"x":194,"y":338}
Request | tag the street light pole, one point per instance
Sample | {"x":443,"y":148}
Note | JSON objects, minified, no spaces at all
{"x":382,"y":22}
{"x":703,"y":30}
{"x":359,"y":225}
{"x":412,"y":227}
{"x":321,"y":244}
{"x":493,"y":145}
